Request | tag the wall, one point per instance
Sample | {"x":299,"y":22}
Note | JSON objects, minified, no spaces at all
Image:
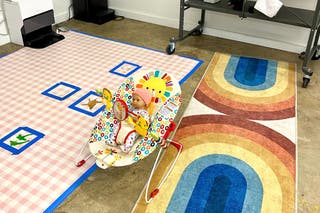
{"x":166,"y":12}
{"x":4,"y":37}
{"x":270,"y":34}
{"x":61,"y":12}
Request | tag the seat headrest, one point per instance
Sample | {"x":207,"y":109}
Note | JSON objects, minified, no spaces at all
{"x":161,"y":84}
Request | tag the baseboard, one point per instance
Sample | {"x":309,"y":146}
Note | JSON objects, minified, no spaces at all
{"x":61,"y":17}
{"x":146,"y":17}
{"x":281,"y":45}
{"x":4,"y":39}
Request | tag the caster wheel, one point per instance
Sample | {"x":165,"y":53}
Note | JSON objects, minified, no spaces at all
{"x":315,"y":56}
{"x":305,"y":82}
{"x":301,"y":55}
{"x":170,"y":48}
{"x":197,"y":32}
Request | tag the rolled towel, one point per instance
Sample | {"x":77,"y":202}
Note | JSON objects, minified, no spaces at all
{"x":268,"y":7}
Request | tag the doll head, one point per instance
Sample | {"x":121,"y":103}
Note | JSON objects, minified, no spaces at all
{"x":141,"y":98}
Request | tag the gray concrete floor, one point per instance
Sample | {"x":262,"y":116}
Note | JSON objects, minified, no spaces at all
{"x":109,"y":191}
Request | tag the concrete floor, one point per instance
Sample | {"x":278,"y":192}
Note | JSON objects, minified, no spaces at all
{"x":109,"y":191}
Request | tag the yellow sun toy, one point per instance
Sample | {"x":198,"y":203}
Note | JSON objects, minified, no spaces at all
{"x":159,"y":83}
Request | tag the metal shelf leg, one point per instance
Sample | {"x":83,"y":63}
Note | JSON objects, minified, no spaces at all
{"x":313,"y":39}
{"x":195,"y":31}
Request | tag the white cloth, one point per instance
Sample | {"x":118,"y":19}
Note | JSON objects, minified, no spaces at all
{"x":212,"y":1}
{"x":268,"y":7}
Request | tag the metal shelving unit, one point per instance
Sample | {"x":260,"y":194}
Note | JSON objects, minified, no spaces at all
{"x":286,"y":15}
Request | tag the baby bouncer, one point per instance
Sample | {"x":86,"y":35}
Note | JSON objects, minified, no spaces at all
{"x":165,"y":102}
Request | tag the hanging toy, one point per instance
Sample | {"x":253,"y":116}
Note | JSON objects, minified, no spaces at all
{"x":106,"y":97}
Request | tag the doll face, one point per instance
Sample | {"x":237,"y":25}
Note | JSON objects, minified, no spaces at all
{"x":137,"y":102}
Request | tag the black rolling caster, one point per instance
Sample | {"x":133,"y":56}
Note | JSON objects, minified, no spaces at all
{"x":306,"y":81}
{"x":306,"y":77}
{"x":315,"y":56}
{"x":197,"y":32}
{"x":171,"y":47}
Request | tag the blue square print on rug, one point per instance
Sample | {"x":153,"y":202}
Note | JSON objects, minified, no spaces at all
{"x":89,"y":104}
{"x":61,"y":91}
{"x":125,"y":68}
{"x":20,"y":139}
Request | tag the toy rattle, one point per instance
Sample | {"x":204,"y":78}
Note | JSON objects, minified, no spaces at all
{"x":121,"y":111}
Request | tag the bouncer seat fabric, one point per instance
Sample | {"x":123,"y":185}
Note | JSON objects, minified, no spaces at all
{"x":164,"y":106}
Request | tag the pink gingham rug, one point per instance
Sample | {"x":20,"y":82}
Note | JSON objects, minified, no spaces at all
{"x":45,"y":117}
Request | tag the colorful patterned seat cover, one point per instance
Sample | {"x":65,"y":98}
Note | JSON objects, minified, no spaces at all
{"x":165,"y":104}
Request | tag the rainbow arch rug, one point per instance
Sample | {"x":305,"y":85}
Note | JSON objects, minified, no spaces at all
{"x":49,"y":107}
{"x":239,"y":139}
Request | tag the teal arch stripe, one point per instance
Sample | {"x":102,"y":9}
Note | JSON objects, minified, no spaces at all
{"x":251,"y":73}
{"x":219,"y":188}
{"x":188,"y":181}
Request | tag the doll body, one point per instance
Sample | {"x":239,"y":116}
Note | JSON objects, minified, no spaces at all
{"x":125,"y":133}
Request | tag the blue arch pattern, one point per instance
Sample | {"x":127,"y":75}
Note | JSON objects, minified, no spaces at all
{"x":251,"y":73}
{"x":219,"y":188}
{"x":229,"y":173}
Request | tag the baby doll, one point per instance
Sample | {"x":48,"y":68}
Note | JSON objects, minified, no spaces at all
{"x":141,"y":99}
{"x":127,"y":134}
